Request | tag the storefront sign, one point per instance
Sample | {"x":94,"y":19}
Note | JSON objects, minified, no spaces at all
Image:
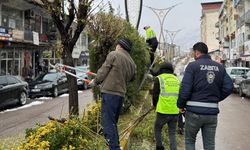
{"x":18,"y":35}
{"x":43,"y":38}
{"x":35,"y":38}
{"x":5,"y":34}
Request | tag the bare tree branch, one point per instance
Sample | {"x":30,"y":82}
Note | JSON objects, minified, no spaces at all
{"x":72,"y":13}
{"x":82,"y":15}
{"x":95,"y":7}
{"x":55,"y":11}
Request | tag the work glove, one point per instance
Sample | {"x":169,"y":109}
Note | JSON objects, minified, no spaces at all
{"x":92,"y":83}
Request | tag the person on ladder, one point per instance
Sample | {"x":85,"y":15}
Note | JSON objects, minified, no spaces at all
{"x":152,"y":41}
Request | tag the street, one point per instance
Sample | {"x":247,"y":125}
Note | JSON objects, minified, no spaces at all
{"x":14,"y":121}
{"x":233,"y":125}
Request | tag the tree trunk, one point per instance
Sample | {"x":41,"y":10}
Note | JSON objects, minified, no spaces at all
{"x":72,"y":84}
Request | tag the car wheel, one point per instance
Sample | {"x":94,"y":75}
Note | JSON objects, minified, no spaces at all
{"x":241,"y":92}
{"x":23,"y":98}
{"x":55,"y":92}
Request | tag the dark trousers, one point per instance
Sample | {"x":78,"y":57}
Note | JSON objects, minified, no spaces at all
{"x":171,"y":121}
{"x":111,"y":107}
{"x":153,"y":43}
{"x":193,"y":123}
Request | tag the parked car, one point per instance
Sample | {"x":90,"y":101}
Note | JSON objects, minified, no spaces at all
{"x":244,"y":88}
{"x":12,"y":91}
{"x":80,"y":83}
{"x":236,"y":74}
{"x":49,"y":84}
{"x":237,"y":82}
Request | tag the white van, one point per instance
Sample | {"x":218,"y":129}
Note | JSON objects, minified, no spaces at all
{"x":235,"y":72}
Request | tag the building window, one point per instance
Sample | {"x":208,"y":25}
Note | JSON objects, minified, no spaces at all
{"x":10,"y":62}
{"x":12,"y":18}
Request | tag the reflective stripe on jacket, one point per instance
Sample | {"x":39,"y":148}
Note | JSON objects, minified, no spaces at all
{"x":169,"y":90}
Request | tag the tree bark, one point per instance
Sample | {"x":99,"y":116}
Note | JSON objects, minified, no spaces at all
{"x":72,"y":84}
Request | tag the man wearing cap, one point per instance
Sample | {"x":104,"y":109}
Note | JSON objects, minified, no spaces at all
{"x":204,"y":85}
{"x":152,"y":41}
{"x":165,"y":95}
{"x":117,"y":70}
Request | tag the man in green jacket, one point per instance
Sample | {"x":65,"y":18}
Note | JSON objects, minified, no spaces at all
{"x":165,"y":95}
{"x":117,"y":70}
{"x":152,"y":41}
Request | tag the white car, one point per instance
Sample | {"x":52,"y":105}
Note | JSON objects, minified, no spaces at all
{"x":237,"y":74}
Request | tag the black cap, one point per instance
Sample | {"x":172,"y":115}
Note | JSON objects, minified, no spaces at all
{"x":167,"y":66}
{"x":126,"y":44}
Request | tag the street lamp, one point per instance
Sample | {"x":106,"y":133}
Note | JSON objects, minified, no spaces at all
{"x":172,"y":35}
{"x":161,"y":15}
{"x":133,"y":10}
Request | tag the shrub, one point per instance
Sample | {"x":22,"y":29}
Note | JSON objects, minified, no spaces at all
{"x":105,"y":29}
{"x":75,"y":133}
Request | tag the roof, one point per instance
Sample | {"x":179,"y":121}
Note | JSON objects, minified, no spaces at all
{"x":211,"y":5}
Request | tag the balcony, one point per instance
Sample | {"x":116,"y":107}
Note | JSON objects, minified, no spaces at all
{"x":241,"y":21}
{"x":27,"y":37}
{"x":244,"y":19}
{"x":247,"y":17}
{"x":217,"y":24}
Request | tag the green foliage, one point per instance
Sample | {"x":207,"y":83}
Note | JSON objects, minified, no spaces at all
{"x":106,"y":29}
{"x":75,"y":133}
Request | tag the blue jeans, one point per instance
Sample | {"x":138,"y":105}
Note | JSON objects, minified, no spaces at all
{"x":171,"y":121}
{"x":111,"y":107}
{"x":195,"y":122}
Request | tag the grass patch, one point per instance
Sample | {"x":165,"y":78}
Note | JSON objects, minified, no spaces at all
{"x":10,"y":143}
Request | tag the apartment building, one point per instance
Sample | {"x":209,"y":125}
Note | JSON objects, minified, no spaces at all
{"x":28,"y":39}
{"x":210,"y":13}
{"x":243,"y":32}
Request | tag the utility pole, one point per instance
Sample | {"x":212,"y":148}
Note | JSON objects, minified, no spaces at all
{"x":161,"y":15}
{"x":172,"y":35}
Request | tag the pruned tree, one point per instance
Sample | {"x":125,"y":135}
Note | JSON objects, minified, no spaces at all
{"x":77,"y":14}
{"x":105,"y":28}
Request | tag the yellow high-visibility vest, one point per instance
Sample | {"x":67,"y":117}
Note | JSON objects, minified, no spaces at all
{"x":169,"y":90}
{"x":150,"y":33}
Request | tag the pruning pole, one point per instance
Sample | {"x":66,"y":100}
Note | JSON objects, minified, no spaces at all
{"x":62,"y":69}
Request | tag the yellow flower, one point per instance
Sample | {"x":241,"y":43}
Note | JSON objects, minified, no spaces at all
{"x":71,"y":147}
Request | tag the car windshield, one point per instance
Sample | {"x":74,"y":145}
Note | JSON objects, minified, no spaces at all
{"x":47,"y":77}
{"x":239,"y":72}
{"x":248,"y":74}
{"x":81,"y":70}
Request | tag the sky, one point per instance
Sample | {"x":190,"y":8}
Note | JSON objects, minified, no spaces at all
{"x":185,"y":16}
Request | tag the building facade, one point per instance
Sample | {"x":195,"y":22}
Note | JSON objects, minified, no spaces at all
{"x":227,"y":34}
{"x":210,"y":13}
{"x":243,"y":32}
{"x":25,"y":32}
{"x":28,"y":39}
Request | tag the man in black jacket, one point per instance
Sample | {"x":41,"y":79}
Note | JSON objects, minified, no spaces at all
{"x":204,"y":85}
{"x":165,"y":95}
